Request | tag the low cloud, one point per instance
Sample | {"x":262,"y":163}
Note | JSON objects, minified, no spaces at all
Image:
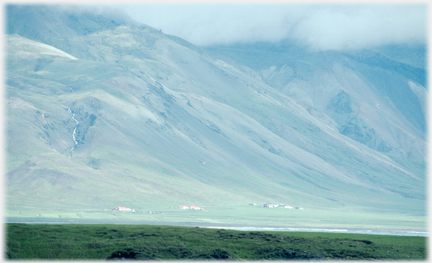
{"x":362,"y":27}
{"x":321,"y":27}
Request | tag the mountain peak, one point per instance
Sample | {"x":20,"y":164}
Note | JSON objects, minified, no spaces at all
{"x":44,"y":22}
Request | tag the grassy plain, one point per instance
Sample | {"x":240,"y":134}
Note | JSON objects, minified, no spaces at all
{"x":108,"y":241}
{"x":235,"y":215}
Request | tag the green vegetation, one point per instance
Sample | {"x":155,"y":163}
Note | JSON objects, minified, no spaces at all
{"x":81,"y":241}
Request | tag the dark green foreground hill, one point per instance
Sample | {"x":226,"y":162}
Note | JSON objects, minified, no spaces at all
{"x":72,"y":241}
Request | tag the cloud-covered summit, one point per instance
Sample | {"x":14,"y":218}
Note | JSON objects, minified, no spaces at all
{"x":322,"y":27}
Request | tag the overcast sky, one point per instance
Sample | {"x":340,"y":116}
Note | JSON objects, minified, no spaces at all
{"x":320,"y":27}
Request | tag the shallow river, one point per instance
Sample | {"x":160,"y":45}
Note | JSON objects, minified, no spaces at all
{"x":292,"y":229}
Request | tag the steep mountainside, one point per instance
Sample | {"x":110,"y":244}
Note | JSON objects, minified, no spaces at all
{"x":376,"y":97}
{"x":102,"y":112}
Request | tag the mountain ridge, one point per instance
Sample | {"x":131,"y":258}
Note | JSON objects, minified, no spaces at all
{"x":159,"y":119}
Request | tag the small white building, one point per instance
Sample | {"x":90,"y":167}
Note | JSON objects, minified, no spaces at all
{"x":122,"y":208}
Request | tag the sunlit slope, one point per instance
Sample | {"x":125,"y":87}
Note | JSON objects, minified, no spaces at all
{"x":129,"y":115}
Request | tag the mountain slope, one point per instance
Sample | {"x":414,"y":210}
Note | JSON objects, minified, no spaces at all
{"x":375,"y":97}
{"x":124,"y":113}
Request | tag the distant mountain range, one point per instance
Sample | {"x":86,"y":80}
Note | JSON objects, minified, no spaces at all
{"x":102,"y":110}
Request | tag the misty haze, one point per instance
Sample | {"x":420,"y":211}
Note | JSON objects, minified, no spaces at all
{"x":251,"y":117}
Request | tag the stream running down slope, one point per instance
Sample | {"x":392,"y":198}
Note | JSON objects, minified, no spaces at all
{"x":73,"y":134}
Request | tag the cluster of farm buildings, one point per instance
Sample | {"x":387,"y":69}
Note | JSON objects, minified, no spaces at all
{"x":122,"y":208}
{"x":272,"y":205}
{"x":191,"y":207}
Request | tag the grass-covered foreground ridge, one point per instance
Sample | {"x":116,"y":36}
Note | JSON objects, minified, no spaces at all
{"x":81,"y":241}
